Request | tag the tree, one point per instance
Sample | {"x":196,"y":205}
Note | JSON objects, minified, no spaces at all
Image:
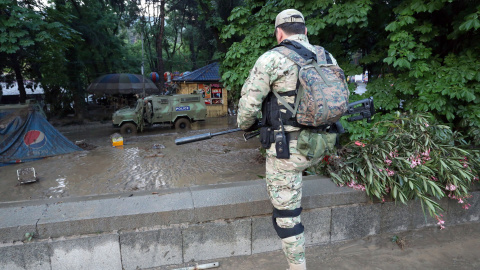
{"x":421,"y":54}
{"x":64,"y":45}
{"x":23,"y":30}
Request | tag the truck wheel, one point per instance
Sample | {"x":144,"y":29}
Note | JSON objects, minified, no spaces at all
{"x":128,"y":129}
{"x":182,"y":123}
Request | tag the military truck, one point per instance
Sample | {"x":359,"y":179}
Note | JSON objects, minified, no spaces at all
{"x":177,"y":110}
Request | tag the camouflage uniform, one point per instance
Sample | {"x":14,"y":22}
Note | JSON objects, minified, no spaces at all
{"x":284,"y":176}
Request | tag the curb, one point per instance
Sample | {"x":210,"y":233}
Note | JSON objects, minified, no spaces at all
{"x":147,"y":230}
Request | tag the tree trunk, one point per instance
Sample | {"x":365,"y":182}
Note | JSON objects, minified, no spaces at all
{"x":19,"y":78}
{"x":193,"y":55}
{"x":78,"y":103}
{"x":161,"y":26}
{"x":75,"y":85}
{"x":216,"y":32}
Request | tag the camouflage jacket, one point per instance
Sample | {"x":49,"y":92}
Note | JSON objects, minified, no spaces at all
{"x":271,"y":71}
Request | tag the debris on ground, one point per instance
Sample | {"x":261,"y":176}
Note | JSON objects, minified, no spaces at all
{"x":400,"y":241}
{"x":201,"y":266}
{"x":26,"y":175}
{"x":155,"y":155}
{"x":84,"y":145}
{"x":28,"y":236}
{"x":117,"y":139}
{"x":158,"y":146}
{"x":258,"y":159}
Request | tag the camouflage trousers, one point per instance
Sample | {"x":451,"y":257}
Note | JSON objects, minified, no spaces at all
{"x":284,"y":186}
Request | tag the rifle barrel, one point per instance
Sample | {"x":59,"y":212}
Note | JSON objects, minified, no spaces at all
{"x":201,"y":137}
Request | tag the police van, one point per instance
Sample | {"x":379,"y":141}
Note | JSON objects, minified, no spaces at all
{"x":177,"y":110}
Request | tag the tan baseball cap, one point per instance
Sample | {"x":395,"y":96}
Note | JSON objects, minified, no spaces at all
{"x":287,"y":16}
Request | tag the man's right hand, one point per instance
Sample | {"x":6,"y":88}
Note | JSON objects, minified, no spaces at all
{"x":256,"y":125}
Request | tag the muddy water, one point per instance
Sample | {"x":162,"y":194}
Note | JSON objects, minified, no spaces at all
{"x":148,"y":161}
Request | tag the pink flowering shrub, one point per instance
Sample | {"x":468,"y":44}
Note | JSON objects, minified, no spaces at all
{"x":413,"y":158}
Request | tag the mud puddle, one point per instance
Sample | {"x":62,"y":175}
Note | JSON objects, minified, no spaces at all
{"x":147,"y":161}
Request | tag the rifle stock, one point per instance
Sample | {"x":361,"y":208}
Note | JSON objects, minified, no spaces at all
{"x":361,"y":109}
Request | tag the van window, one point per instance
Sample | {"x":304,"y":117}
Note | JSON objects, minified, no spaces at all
{"x":190,"y":99}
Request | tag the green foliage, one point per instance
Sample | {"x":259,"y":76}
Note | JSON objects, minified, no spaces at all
{"x":408,"y":157}
{"x":421,"y":55}
{"x":330,"y":25}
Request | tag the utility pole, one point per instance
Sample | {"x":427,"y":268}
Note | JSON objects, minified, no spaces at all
{"x":143,"y":77}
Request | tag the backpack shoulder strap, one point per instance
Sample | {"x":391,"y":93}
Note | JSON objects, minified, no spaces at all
{"x":323,"y":56}
{"x":295,"y":52}
{"x":301,"y":56}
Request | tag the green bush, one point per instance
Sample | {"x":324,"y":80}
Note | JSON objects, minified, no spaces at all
{"x":408,"y":157}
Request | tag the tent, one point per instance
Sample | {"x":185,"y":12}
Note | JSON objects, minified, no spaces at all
{"x":29,"y":138}
{"x":122,"y":83}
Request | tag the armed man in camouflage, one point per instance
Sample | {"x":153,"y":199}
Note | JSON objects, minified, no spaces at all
{"x":274,"y":71}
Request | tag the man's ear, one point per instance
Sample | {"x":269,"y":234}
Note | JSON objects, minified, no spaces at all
{"x":280,"y":35}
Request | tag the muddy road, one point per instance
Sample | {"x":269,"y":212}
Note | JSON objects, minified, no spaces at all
{"x":148,"y":161}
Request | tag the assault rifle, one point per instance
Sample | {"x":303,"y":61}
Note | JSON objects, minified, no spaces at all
{"x":358,"y":110}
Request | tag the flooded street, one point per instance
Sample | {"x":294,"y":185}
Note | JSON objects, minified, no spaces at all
{"x":148,"y":161}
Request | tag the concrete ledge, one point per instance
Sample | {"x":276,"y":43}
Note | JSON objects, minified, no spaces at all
{"x":74,"y":216}
{"x":145,"y":230}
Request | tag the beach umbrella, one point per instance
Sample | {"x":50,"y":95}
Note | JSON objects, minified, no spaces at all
{"x":122,"y":83}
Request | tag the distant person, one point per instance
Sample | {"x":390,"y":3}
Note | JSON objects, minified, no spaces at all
{"x":148,"y":111}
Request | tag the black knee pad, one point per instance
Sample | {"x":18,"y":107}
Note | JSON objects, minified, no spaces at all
{"x":287,"y":232}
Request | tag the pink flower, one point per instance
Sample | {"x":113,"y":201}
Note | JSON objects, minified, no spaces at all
{"x":434,"y":178}
{"x":415,"y":161}
{"x":390,"y":172}
{"x":427,"y":125}
{"x":355,"y":186}
{"x":394,"y":154}
{"x":359,"y":144}
{"x":460,"y":201}
{"x":426,"y":155}
{"x":440,"y":222}
{"x":450,"y":187}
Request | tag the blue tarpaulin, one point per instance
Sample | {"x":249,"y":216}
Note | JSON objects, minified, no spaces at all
{"x":32,"y":139}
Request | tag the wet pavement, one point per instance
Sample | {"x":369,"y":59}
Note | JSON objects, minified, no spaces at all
{"x":147,"y":161}
{"x":455,"y":247}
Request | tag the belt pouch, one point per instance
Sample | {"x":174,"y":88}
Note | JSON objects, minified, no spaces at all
{"x":281,"y":145}
{"x":315,"y":145}
{"x":266,"y":137}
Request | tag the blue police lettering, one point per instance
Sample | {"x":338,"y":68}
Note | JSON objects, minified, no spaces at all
{"x":183,"y":108}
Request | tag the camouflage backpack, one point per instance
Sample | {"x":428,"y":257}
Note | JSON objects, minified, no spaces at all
{"x":322,"y":92}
